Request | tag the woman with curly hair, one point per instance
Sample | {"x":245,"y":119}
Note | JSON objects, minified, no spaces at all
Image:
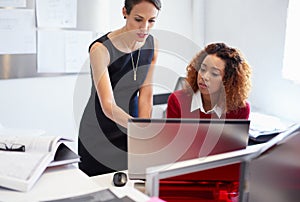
{"x":217,"y":86}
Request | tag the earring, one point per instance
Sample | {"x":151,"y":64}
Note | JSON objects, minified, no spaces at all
{"x":124,"y":17}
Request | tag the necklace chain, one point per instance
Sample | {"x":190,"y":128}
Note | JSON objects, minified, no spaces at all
{"x":134,"y":67}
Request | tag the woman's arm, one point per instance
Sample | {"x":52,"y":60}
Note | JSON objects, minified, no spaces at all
{"x":145,"y":101}
{"x":100,"y":58}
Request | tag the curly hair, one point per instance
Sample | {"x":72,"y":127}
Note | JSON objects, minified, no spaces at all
{"x":237,"y":77}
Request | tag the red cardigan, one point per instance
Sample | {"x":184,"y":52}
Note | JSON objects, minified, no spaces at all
{"x":179,"y":106}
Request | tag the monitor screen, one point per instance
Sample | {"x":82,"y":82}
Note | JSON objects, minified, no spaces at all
{"x":153,"y":142}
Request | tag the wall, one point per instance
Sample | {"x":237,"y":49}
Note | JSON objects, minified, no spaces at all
{"x":257,"y":27}
{"x":38,"y":103}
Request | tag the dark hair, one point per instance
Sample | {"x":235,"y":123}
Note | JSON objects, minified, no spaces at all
{"x":236,"y":80}
{"x":130,"y":3}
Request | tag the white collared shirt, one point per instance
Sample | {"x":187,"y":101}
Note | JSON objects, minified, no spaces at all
{"x":197,"y":104}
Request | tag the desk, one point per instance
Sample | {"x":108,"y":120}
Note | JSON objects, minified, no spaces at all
{"x":68,"y":181}
{"x":56,"y":182}
{"x":129,"y":189}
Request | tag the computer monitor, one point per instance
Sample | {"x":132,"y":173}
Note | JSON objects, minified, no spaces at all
{"x":153,"y":142}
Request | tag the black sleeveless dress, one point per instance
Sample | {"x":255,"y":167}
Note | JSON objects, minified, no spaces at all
{"x":102,"y":143}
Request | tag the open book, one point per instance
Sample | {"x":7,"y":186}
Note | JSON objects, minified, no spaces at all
{"x":19,"y":170}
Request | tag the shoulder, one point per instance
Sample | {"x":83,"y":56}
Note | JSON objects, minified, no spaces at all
{"x":150,"y":42}
{"x":151,"y":38}
{"x":179,"y":104}
{"x":247,"y":109}
{"x":247,"y":105}
{"x":99,"y":41}
{"x":180,"y":95}
{"x":240,"y":113}
{"x":183,"y":92}
{"x":98,"y":51}
{"x":155,"y":42}
{"x":96,"y":48}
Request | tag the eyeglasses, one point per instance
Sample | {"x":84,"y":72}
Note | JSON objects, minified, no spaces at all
{"x":12,"y":147}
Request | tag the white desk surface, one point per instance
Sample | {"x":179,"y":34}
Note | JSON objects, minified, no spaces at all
{"x":55,"y":183}
{"x":129,"y":189}
{"x":69,"y":181}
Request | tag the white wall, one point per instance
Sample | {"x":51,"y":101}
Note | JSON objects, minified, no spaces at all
{"x":257,"y":27}
{"x":39,"y":103}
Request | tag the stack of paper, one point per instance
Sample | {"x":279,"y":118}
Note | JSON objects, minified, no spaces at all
{"x":266,"y":125}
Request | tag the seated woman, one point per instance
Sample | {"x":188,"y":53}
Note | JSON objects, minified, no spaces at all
{"x":217,"y":86}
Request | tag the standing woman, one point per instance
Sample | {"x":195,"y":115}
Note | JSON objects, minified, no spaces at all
{"x":218,"y":84}
{"x":122,"y":64}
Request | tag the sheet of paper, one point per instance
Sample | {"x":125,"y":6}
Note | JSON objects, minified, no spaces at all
{"x":263,"y":124}
{"x":76,"y":50}
{"x":12,"y":3}
{"x":58,"y":13}
{"x":50,"y":54}
{"x":63,"y":51}
{"x":17,"y":31}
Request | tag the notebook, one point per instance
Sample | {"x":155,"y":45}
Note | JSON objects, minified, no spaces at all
{"x":153,"y":142}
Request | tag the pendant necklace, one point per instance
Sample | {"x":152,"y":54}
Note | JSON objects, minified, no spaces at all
{"x":134,"y":67}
